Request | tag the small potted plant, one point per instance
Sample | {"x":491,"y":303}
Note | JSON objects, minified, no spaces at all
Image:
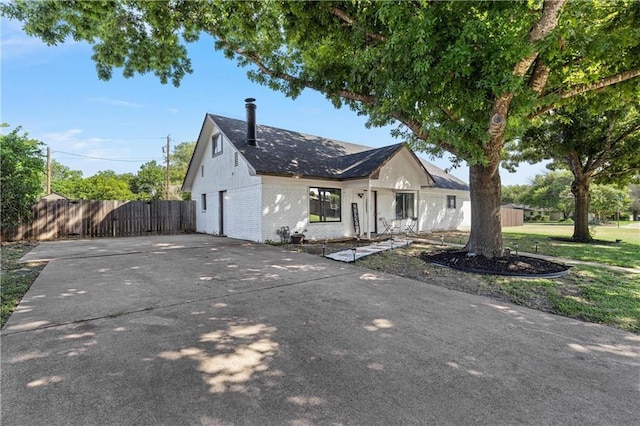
{"x":297,"y":238}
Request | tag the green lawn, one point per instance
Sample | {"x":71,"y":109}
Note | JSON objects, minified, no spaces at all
{"x":589,"y":293}
{"x":604,"y":250}
{"x":15,"y":278}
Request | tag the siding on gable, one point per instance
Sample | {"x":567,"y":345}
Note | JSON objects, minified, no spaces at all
{"x":402,"y":172}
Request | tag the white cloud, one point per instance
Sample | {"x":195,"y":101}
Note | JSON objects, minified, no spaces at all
{"x":16,"y":44}
{"x":115,"y":102}
{"x":90,"y":154}
{"x":73,"y":141}
{"x":61,"y":137}
{"x":173,"y":110}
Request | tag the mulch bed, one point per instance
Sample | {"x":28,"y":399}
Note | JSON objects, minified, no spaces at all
{"x":508,"y":265}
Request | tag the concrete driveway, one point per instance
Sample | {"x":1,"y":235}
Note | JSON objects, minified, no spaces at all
{"x":201,"y":330}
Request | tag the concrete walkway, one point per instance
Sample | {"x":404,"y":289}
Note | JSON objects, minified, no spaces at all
{"x":355,"y":253}
{"x":198,"y":330}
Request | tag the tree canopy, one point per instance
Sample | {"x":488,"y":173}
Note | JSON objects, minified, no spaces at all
{"x":594,"y":146}
{"x":65,"y":181}
{"x":551,"y":191}
{"x":609,"y":201}
{"x":150,"y":181}
{"x":22,"y":169}
{"x":180,"y":158}
{"x":634,"y":194}
{"x":454,"y":76}
{"x":107,"y":185}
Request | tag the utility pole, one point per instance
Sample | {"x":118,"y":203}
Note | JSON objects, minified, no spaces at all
{"x":48,"y":189}
{"x":168,"y":175}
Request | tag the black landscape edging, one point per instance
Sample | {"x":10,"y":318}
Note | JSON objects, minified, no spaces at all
{"x":508,"y":274}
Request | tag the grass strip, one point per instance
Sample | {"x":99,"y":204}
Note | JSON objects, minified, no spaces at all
{"x":15,"y":278}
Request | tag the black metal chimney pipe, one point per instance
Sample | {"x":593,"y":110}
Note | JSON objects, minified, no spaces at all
{"x":251,"y":121}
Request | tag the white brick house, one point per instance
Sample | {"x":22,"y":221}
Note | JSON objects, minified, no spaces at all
{"x":250,"y":181}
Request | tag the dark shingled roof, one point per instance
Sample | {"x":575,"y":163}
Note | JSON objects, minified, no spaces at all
{"x":288,"y":153}
{"x":443,"y":179}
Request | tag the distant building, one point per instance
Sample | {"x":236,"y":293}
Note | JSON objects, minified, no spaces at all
{"x":53,"y":196}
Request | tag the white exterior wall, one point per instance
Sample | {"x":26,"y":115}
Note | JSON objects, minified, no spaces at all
{"x":434,"y":214}
{"x":243,"y":196}
{"x":285,"y":202}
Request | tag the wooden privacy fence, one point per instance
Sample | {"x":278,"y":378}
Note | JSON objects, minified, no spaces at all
{"x":62,"y":219}
{"x":511,"y":217}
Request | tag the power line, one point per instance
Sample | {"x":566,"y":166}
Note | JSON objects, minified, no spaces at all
{"x":112,"y":138}
{"x":106,"y":159}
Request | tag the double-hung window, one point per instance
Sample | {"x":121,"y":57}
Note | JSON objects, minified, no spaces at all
{"x":325,"y":205}
{"x":404,"y":205}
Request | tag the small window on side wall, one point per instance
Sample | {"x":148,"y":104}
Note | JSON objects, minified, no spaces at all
{"x":203,"y":201}
{"x":451,"y":201}
{"x":216,"y":144}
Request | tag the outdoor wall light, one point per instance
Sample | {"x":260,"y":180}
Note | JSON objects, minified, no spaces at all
{"x":360,"y":194}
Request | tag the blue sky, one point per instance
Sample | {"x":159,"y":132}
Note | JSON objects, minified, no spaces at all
{"x":55,"y":95}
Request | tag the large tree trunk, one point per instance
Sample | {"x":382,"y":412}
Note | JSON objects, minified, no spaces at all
{"x":580,"y":190}
{"x":486,"y":228}
{"x":484,"y":180}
